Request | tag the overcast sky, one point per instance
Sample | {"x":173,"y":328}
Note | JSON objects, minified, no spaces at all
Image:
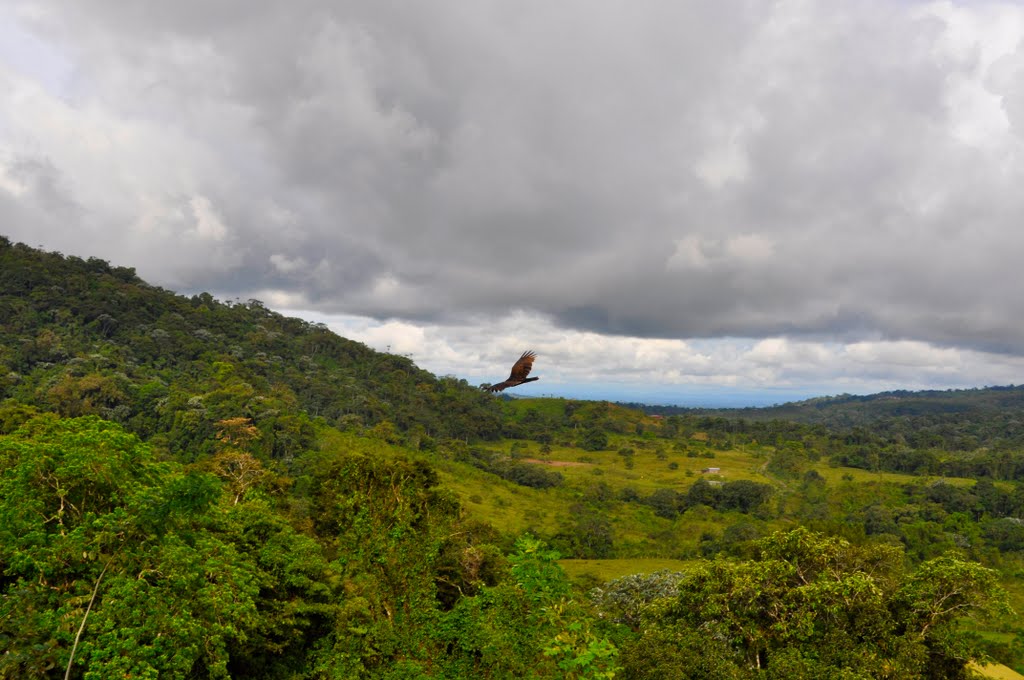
{"x":691,"y":202}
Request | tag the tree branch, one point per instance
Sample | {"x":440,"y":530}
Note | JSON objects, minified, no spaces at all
{"x":78,"y":635}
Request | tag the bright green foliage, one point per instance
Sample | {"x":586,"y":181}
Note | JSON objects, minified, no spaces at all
{"x":536,"y":571}
{"x":386,"y":523}
{"x":576,"y":648}
{"x":673,"y":652}
{"x":501,"y":631}
{"x":80,"y":498}
{"x":297,"y":593}
{"x":527,"y":626}
{"x":186,"y":603}
{"x":813,"y":606}
{"x":200,"y":582}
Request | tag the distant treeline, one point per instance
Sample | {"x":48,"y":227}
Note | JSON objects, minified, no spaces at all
{"x":951,"y":420}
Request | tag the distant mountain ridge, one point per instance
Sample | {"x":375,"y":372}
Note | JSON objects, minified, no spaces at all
{"x":961,"y":419}
{"x":889,"y":403}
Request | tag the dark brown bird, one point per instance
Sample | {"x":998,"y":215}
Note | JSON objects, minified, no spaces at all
{"x":520,"y":370}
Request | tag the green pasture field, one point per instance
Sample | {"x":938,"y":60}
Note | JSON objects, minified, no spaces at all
{"x":639,"y":533}
{"x":998,"y":671}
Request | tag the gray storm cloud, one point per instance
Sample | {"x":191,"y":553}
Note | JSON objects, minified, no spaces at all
{"x":668,"y":169}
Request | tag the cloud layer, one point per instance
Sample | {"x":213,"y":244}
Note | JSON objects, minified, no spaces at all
{"x":729,"y":371}
{"x":816,"y":174}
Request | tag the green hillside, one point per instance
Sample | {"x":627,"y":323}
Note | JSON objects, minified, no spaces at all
{"x":81,"y":337}
{"x":194,"y":488}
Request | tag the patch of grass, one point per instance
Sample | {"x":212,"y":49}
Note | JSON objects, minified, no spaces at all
{"x":508,"y":507}
{"x":835,"y":475}
{"x":649,"y":472}
{"x":997,"y":671}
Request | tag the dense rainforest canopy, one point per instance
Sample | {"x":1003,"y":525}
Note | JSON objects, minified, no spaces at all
{"x":202,"y":489}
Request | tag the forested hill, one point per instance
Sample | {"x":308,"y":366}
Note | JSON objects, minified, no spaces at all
{"x":203,"y":489}
{"x":78,"y":337}
{"x":949,"y":419}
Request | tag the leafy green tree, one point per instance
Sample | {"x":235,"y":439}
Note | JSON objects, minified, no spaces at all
{"x":594,"y":439}
{"x":297,"y":600}
{"x":668,"y":502}
{"x":470,"y":558}
{"x":233,"y":463}
{"x":526,"y":626}
{"x":812,"y":606}
{"x":702,"y":493}
{"x":590,"y":537}
{"x":385,"y":522}
{"x":578,"y":651}
{"x":110,"y":556}
{"x":94,"y":394}
{"x":1006,"y":533}
{"x":790,"y":461}
{"x":668,"y":652}
{"x":929,"y":603}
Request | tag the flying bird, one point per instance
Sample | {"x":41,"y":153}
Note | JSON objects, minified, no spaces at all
{"x":520,"y":370}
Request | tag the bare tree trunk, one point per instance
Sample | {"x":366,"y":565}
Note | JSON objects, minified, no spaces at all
{"x":78,"y":635}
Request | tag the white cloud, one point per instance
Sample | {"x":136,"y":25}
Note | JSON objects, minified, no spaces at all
{"x":208,"y":224}
{"x":638,"y":368}
{"x":724,"y":164}
{"x":645,"y":182}
{"x":13,"y":185}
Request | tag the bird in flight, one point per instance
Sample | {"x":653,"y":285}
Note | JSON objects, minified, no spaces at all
{"x":520,"y":370}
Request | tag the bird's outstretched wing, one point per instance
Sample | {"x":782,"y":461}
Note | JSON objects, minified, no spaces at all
{"x":522,"y":367}
{"x":518,"y":375}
